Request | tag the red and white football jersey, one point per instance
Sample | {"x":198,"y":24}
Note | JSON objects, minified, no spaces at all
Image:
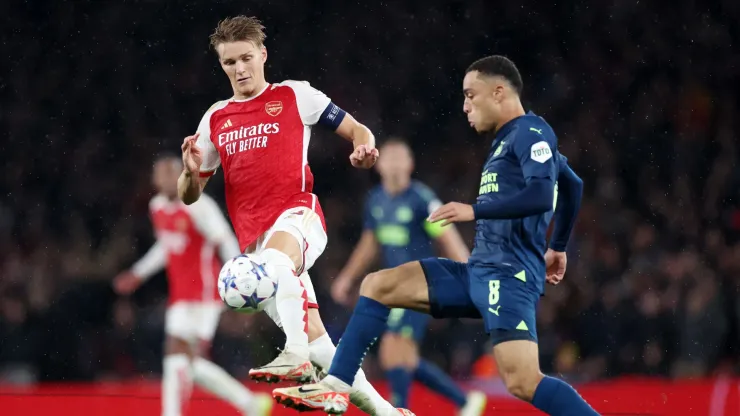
{"x":189,"y":241}
{"x":262,"y":145}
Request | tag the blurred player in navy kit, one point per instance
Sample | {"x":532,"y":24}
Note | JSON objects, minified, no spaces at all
{"x":524,"y":182}
{"x":395,"y":223}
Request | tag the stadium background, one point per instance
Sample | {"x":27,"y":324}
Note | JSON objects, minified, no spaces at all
{"x":642,"y":94}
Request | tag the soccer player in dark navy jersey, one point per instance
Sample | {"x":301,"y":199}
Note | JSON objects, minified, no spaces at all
{"x":524,"y":182}
{"x":396,"y":226}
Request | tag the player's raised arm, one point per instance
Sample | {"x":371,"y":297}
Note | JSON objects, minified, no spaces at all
{"x":200,"y":159}
{"x":365,"y":154}
{"x":190,"y":185}
{"x":316,"y":108}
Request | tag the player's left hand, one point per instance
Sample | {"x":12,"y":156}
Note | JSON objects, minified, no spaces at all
{"x":452,"y":212}
{"x":364,"y":156}
{"x":555,"y":263}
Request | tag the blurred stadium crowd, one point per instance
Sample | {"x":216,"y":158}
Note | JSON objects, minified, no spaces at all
{"x":640,"y":94}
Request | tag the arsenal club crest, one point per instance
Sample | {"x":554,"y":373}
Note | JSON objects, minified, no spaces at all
{"x":274,"y":108}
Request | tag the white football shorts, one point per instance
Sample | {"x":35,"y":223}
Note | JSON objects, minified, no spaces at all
{"x":193,"y":321}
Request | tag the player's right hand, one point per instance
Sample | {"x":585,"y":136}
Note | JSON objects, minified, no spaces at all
{"x":364,"y":157}
{"x":340,"y":290}
{"x":555,"y":263}
{"x":192,"y":156}
{"x":126,"y":283}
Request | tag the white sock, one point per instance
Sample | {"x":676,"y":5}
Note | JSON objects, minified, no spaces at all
{"x":217,"y":381}
{"x":362,"y":393}
{"x":291,"y":302}
{"x":177,"y":383}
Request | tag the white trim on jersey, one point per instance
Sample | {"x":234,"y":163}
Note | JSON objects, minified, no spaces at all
{"x":310,"y":101}
{"x":151,"y":263}
{"x":211,"y":157}
{"x":252,"y":97}
{"x":311,"y":104}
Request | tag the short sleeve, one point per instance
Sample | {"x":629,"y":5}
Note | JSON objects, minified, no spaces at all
{"x":536,"y":155}
{"x":428,"y":201}
{"x":311,"y":102}
{"x":211,"y":158}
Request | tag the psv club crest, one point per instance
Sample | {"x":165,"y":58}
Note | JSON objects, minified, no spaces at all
{"x":274,"y":108}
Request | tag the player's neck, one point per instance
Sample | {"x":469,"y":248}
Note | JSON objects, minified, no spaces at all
{"x":512,"y":109}
{"x":396,"y":186}
{"x":257,"y":91}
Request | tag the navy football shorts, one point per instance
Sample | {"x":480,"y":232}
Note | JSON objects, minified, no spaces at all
{"x":499,"y":296}
{"x":408,"y":323}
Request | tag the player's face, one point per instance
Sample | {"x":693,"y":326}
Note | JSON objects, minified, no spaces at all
{"x":482,"y":101}
{"x":166,"y":172}
{"x":244,"y":64}
{"x":396,"y":161}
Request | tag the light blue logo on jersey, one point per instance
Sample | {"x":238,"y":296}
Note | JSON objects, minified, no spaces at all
{"x":404,"y":214}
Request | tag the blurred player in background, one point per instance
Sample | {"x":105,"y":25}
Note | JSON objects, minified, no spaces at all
{"x":260,"y":137}
{"x":395,"y":222}
{"x":189,"y":241}
{"x":524,"y":179}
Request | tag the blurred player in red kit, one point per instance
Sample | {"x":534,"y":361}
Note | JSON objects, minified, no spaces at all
{"x":260,"y":138}
{"x":189,"y":241}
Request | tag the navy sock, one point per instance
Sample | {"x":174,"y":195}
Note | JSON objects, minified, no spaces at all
{"x":368,"y":322}
{"x":400,"y":380}
{"x":557,"y":398}
{"x":437,"y":380}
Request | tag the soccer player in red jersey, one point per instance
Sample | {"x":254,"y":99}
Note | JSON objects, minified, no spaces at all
{"x":260,"y":138}
{"x":190,"y":240}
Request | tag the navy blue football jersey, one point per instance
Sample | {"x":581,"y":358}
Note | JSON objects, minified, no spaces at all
{"x":523,"y":149}
{"x":400,"y":223}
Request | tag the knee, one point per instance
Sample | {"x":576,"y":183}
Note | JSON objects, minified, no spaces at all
{"x":521,"y":384}
{"x":378,"y":286}
{"x":174,"y":345}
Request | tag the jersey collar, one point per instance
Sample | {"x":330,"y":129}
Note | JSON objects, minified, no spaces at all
{"x":508,"y":127}
{"x":253,"y":97}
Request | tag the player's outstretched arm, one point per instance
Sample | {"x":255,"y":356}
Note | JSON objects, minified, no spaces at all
{"x":190,"y":184}
{"x":365,"y":154}
{"x":362,"y":257}
{"x":536,"y":198}
{"x":539,"y":169}
{"x":153,"y":261}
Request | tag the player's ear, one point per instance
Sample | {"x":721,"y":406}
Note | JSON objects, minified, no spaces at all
{"x":499,"y":91}
{"x":264,"y":54}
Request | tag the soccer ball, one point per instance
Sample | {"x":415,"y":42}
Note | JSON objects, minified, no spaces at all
{"x":244,"y":283}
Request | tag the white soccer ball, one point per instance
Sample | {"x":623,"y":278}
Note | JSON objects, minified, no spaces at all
{"x":245,"y":283}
